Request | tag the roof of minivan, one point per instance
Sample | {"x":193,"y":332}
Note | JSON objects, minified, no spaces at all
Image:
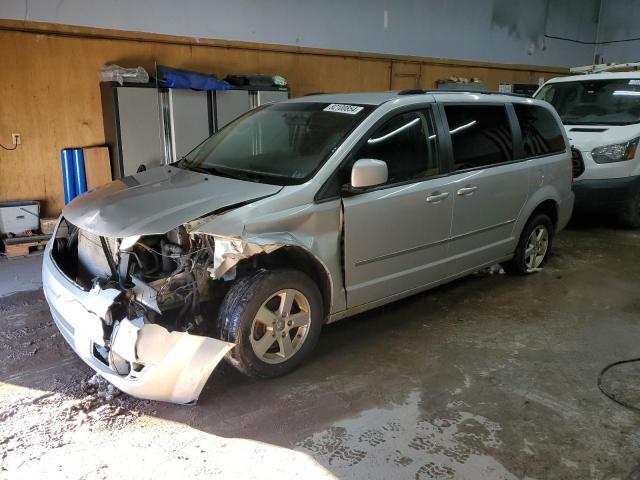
{"x":378,"y":98}
{"x":374,"y":98}
{"x":597,"y":76}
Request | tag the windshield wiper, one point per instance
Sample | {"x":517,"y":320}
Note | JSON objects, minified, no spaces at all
{"x":199,"y":169}
{"x":222,"y":173}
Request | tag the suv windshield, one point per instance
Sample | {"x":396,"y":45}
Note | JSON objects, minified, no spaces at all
{"x":281,"y":144}
{"x":595,"y":102}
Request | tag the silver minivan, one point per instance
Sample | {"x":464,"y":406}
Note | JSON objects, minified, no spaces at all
{"x":298,"y":214}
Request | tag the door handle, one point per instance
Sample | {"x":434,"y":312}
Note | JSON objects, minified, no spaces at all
{"x":467,"y":190}
{"x":436,"y":197}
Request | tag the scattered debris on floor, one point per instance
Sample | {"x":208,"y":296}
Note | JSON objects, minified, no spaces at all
{"x":489,"y":271}
{"x":41,"y":421}
{"x":496,"y":269}
{"x":97,"y":405}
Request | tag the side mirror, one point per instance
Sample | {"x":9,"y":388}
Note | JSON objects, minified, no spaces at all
{"x":368,"y":172}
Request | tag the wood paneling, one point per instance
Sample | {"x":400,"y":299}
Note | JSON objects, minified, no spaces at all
{"x":50,"y":91}
{"x":405,"y":76}
{"x":97,"y":166}
{"x":490,"y":77}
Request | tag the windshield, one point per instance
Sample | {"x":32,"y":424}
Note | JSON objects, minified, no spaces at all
{"x":595,"y":102}
{"x":281,"y":144}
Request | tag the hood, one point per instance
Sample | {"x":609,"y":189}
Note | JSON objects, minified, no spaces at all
{"x":158,"y":200}
{"x":588,"y":137}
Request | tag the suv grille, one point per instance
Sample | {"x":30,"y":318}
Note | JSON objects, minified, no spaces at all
{"x":577,"y":162}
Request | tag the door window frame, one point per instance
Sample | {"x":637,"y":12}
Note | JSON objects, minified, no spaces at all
{"x":325,"y":192}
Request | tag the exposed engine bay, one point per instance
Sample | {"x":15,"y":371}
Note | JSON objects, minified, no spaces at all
{"x":165,"y":279}
{"x":154,"y":302}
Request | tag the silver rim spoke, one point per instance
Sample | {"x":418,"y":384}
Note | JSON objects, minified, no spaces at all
{"x":299,"y":319}
{"x":286,"y":347}
{"x":265,"y":316}
{"x":537,"y":245}
{"x":263,"y":344}
{"x":280,"y":326}
{"x":286,"y":302}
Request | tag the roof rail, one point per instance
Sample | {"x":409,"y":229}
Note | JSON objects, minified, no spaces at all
{"x":421,"y":91}
{"x":606,"y":67}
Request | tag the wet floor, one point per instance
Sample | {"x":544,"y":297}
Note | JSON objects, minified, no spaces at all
{"x":489,"y":377}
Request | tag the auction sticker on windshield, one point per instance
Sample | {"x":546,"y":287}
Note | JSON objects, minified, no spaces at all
{"x":342,"y":108}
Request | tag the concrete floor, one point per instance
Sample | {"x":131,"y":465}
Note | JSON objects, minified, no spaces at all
{"x":20,"y":274}
{"x":489,"y":377}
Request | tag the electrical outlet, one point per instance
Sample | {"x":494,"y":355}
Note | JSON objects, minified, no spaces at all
{"x":15,"y":139}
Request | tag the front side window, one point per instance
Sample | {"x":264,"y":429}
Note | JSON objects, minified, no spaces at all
{"x":282,"y":144}
{"x":480,"y":135}
{"x":408,"y":145}
{"x":595,"y":102}
{"x":541,"y":134}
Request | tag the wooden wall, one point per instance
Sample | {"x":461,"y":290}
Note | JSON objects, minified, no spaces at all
{"x":50,"y":93}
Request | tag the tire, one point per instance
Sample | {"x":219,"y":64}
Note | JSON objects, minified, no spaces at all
{"x":630,"y":214}
{"x":249,"y":317}
{"x":521,"y":263}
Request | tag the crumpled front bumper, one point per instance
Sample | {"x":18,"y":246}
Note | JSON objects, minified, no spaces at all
{"x":169,"y":366}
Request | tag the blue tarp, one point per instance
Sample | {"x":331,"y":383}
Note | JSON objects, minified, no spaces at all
{"x":174,"y":78}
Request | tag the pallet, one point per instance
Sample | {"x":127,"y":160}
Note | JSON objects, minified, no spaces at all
{"x":23,"y":246}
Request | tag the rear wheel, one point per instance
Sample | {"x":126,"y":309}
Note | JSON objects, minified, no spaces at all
{"x":630,"y":214}
{"x":274,"y":317}
{"x":534,"y":246}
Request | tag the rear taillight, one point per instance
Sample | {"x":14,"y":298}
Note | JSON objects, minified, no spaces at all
{"x":577,"y":163}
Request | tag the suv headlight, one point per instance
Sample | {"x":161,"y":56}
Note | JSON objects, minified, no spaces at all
{"x":615,"y":153}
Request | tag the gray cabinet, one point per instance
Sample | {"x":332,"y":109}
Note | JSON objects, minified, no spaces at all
{"x":149,"y":126}
{"x":270,"y":96}
{"x":190,"y":118}
{"x":230,"y":104}
{"x":134,"y":129}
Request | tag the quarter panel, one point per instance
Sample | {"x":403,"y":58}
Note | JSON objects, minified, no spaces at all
{"x":550,"y":179}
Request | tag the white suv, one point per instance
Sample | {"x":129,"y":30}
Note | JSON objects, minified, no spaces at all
{"x":601,"y":113}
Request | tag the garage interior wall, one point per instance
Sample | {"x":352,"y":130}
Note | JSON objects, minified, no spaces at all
{"x":619,"y":31}
{"x":505,"y":31}
{"x":50,"y":94}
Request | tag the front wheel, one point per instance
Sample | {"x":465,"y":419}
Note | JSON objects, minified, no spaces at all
{"x":534,"y":246}
{"x":274,"y":317}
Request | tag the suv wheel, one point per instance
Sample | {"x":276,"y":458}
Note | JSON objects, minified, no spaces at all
{"x":533,"y":247}
{"x":630,"y":214}
{"x":274,"y":317}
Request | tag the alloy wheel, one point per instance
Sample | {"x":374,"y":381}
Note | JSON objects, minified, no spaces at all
{"x":537,"y":246}
{"x":280,"y":326}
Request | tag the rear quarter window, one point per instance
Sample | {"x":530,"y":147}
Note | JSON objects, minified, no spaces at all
{"x":541,"y":134}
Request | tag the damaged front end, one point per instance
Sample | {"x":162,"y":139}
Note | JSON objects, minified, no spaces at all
{"x":142,"y":310}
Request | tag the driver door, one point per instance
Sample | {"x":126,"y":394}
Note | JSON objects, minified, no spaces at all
{"x":396,"y":235}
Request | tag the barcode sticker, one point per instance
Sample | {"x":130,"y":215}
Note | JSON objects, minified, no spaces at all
{"x":342,"y":108}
